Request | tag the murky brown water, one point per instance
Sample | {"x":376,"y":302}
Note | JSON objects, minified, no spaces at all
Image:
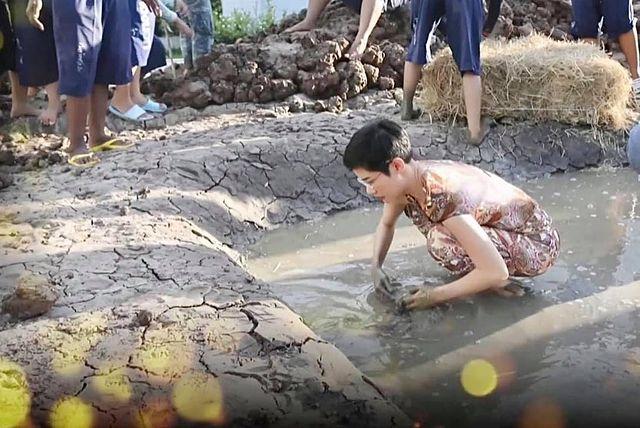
{"x":567,"y":353}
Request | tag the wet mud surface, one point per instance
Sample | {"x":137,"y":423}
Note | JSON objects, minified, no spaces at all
{"x":567,"y":351}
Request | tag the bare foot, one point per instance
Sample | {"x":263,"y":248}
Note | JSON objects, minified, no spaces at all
{"x":49,"y":116}
{"x":478,"y":138}
{"x":23,"y":110}
{"x":94,"y":141}
{"x":81,"y":156}
{"x":301,"y":26}
{"x":356,"y":50}
{"x":409,"y":113}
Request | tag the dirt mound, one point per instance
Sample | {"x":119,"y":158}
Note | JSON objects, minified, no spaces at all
{"x":276,"y":66}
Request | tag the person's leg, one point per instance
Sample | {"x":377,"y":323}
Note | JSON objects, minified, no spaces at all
{"x":464,"y":33}
{"x":186,"y":46}
{"x":75,"y":32}
{"x":425,"y":17}
{"x":629,"y":47}
{"x":202,"y":21}
{"x":619,"y":23}
{"x":134,"y":89}
{"x":369,"y":16}
{"x":410,"y":80}
{"x":37,"y":65}
{"x":472,"y":91}
{"x":19,"y":101}
{"x":121,"y":100}
{"x":314,"y":10}
{"x":77,"y":110}
{"x":98,"y":114}
{"x":524,"y":255}
{"x":50,"y":115}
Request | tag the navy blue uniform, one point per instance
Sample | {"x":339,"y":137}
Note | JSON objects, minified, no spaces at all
{"x":36,"y":59}
{"x":464,"y":21}
{"x":93,"y":43}
{"x":616,"y":16}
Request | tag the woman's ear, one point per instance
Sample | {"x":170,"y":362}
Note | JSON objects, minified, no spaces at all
{"x":397,"y":164}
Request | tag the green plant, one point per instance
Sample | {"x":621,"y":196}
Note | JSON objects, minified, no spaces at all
{"x":238,"y":25}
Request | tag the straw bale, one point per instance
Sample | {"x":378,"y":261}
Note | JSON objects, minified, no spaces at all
{"x":536,"y":78}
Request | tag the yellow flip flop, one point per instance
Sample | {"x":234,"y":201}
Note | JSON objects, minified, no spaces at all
{"x":112,"y":144}
{"x":76,"y":160}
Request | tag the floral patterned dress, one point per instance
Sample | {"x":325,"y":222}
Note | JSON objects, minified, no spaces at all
{"x":517,"y":226}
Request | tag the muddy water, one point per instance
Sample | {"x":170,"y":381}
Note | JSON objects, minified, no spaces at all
{"x":567,"y":354}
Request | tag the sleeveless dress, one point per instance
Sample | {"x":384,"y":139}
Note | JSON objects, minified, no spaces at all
{"x":517,"y":226}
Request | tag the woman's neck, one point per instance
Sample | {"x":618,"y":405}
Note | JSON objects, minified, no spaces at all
{"x":415,"y":187}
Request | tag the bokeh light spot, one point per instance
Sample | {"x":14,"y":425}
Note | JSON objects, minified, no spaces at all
{"x":479,"y":378}
{"x":71,"y":412}
{"x":198,"y":397}
{"x":114,"y":385}
{"x":156,"y":414}
{"x":69,"y":359}
{"x":15,"y":399}
{"x":542,"y":413}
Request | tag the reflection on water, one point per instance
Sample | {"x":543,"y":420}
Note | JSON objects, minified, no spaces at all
{"x":322,"y":271}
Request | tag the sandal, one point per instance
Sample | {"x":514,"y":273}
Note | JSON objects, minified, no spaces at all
{"x":112,"y":144}
{"x":134,"y":114}
{"x":83,"y":160}
{"x":154,"y":107}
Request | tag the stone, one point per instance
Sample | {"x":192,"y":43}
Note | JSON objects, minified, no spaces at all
{"x":373,"y":55}
{"x":373,"y":73}
{"x":5,"y":180}
{"x":7,"y":158}
{"x":34,"y":295}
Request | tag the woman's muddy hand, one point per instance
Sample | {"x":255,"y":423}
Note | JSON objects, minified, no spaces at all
{"x":418,"y":298}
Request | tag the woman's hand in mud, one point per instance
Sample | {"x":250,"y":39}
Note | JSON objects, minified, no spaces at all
{"x":418,"y":298}
{"x":382,"y":284}
{"x":380,"y":278}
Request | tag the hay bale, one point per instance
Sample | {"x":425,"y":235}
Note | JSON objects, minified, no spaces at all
{"x":536,"y":78}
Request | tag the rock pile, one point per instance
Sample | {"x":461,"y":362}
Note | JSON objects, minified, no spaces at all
{"x":279,"y":65}
{"x":524,"y":17}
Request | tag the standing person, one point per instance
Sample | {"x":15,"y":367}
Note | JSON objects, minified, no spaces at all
{"x":37,"y":64}
{"x":464,"y":22}
{"x":93,"y":44}
{"x":618,"y":22}
{"x":128,"y":102}
{"x":19,"y":104}
{"x":198,"y":16}
{"x":475,"y":223}
{"x":370,"y":12}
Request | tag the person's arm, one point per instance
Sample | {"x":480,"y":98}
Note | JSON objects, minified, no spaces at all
{"x":490,"y":270}
{"x":384,"y":233}
{"x":33,"y":13}
{"x":492,"y":16}
{"x":167,"y":14}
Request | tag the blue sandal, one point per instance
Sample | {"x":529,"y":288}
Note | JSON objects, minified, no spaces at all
{"x":154,"y":106}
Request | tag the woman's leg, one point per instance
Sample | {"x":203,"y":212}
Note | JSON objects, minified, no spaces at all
{"x":523,"y":255}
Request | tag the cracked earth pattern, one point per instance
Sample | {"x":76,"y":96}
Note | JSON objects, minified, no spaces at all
{"x":156,"y":314}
